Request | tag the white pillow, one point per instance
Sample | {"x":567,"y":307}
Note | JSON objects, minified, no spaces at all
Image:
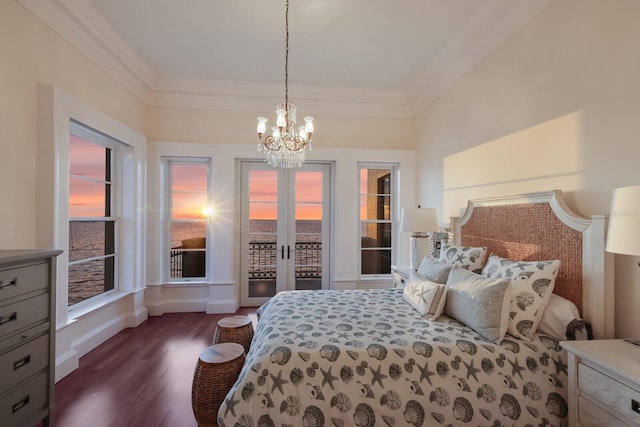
{"x":480,"y":303}
{"x":532,"y":284}
{"x":466,"y":257}
{"x":434,"y":270}
{"x":425,"y":296}
{"x":561,"y":320}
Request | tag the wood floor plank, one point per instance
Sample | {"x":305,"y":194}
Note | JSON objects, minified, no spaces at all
{"x":140,"y":377}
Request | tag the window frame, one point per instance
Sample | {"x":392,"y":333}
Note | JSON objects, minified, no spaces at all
{"x":85,"y":132}
{"x":167,"y":162}
{"x":56,"y":108}
{"x":392,"y":221}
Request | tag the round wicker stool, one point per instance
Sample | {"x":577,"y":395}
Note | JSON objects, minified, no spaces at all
{"x":237,"y":329}
{"x":216,"y":371}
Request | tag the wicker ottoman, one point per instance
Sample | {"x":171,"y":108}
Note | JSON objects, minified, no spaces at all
{"x":216,"y":371}
{"x":238,"y":329}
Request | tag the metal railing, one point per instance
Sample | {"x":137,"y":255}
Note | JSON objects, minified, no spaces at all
{"x":263,"y":257}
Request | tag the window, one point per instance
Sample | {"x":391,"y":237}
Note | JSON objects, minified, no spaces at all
{"x":187,"y":208}
{"x":377,"y":201}
{"x":92,"y":220}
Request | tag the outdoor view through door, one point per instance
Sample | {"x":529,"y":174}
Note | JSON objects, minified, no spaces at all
{"x":286,"y":216}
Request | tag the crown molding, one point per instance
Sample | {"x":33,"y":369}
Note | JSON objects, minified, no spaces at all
{"x":469,"y":46}
{"x":84,"y":28}
{"x":255,"y":96}
{"x":79,"y":23}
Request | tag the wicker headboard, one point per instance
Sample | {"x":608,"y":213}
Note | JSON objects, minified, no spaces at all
{"x":540,"y":226}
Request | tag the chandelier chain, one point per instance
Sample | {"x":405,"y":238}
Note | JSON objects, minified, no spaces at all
{"x":286,"y":59}
{"x":286,"y":146}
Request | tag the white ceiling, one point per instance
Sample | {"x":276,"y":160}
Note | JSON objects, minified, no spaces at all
{"x":369,"y":57}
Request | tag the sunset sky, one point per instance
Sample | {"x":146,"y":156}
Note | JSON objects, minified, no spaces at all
{"x":189,"y":187}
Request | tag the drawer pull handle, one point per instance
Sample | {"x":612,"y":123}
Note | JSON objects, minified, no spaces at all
{"x":10,"y":318}
{"x":14,"y":282}
{"x":20,"y":363}
{"x":635,"y":406}
{"x":19,"y":405}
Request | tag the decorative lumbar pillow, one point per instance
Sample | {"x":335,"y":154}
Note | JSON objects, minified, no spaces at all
{"x":482,"y":304}
{"x":532,"y":283}
{"x":466,"y":257}
{"x":434,"y":270}
{"x":561,"y":320}
{"x":425,"y":296}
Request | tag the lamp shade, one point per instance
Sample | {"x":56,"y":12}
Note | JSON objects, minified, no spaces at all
{"x":419,"y":220}
{"x":624,"y":221}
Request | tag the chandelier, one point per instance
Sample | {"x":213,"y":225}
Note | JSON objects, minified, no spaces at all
{"x":286,"y":145}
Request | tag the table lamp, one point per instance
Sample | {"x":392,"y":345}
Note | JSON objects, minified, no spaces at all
{"x":623,"y":236}
{"x":419,"y":222}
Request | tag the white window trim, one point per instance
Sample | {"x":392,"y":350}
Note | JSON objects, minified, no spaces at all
{"x":166,"y":208}
{"x":394,"y":167}
{"x":56,"y":109}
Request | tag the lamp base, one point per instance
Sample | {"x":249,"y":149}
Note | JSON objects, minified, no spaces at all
{"x":418,"y":249}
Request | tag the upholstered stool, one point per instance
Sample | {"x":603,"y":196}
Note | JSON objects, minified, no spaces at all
{"x":216,"y":371}
{"x":237,"y":329}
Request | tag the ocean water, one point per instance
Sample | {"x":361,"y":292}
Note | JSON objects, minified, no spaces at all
{"x":87,"y":240}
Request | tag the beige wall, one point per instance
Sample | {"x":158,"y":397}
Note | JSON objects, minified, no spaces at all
{"x":32,"y":53}
{"x":557,"y":106}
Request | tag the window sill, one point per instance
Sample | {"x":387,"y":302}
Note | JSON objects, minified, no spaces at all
{"x":76,"y":314}
{"x":186,"y":283}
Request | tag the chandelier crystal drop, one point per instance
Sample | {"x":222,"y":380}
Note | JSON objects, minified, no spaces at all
{"x":287,"y":144}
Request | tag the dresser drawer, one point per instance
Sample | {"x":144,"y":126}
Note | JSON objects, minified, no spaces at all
{"x":24,"y":361}
{"x":23,"y":401}
{"x":608,"y":392}
{"x":22,"y":314}
{"x":21,"y":280}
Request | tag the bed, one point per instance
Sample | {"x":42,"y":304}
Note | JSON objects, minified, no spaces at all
{"x":367,"y":357}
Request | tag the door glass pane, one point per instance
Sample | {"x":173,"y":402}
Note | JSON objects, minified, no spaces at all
{"x":263,"y":214}
{"x":308,"y":211}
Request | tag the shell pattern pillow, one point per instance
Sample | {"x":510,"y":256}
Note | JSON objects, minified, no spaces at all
{"x":466,"y":257}
{"x":532,"y":284}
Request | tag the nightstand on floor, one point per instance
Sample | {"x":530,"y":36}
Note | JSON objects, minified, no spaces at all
{"x":604,"y":383}
{"x":400,"y":275}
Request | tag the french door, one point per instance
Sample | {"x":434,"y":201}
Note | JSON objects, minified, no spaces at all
{"x":285,"y":230}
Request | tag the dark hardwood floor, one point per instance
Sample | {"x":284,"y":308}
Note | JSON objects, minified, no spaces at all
{"x":140,"y":377}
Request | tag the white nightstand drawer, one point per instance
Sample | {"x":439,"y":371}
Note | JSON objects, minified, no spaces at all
{"x":591,"y":415}
{"x":608,"y":392}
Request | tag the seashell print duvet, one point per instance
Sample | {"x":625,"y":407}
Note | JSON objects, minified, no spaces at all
{"x":367,"y":358}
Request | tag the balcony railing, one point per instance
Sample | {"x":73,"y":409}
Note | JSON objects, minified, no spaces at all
{"x":263,"y":257}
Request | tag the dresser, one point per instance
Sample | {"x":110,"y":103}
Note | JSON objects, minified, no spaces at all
{"x":27,"y":336}
{"x":604,"y":383}
{"x":400,"y":275}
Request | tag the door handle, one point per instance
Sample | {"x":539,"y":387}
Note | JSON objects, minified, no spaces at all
{"x":282,"y":252}
{"x":288,"y":252}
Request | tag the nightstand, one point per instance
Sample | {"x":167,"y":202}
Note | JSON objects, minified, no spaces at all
{"x":604,"y":383}
{"x":400,"y":275}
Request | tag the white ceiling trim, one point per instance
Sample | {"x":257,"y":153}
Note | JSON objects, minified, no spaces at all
{"x":78,"y":22}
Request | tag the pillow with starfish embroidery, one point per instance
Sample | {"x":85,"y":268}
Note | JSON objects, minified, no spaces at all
{"x":425,"y":296}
